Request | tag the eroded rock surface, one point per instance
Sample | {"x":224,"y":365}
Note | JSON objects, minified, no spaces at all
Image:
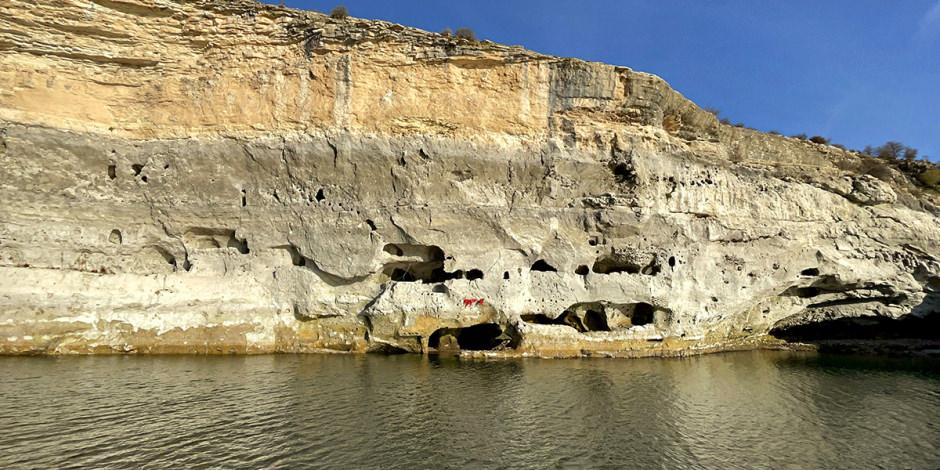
{"x":222,"y":176}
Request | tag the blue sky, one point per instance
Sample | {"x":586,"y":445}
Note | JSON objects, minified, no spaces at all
{"x":858,"y":71}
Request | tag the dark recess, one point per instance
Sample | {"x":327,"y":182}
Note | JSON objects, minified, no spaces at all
{"x":542,"y":265}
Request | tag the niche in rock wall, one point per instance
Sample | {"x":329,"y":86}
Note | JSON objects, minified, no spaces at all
{"x":112,"y":171}
{"x":810,"y":272}
{"x":213,"y":238}
{"x":610,"y":264}
{"x":116,"y":237}
{"x":582,"y":270}
{"x":483,"y":337}
{"x":421,"y":263}
{"x":602,"y":316}
{"x":543,"y":266}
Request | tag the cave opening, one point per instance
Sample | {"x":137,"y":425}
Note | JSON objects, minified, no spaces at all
{"x":810,"y":272}
{"x":642,"y":314}
{"x":244,"y":198}
{"x":595,"y":321}
{"x":506,"y":275}
{"x":600,"y":316}
{"x":112,"y":171}
{"x":543,"y":266}
{"x":482,"y":337}
{"x":582,"y":270}
{"x":320,"y":195}
{"x":426,"y":265}
{"x":116,"y":237}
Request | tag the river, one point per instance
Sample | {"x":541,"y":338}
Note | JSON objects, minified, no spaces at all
{"x":758,"y":409}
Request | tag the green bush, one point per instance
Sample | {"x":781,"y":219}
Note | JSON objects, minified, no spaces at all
{"x":818,"y":139}
{"x":466,"y":33}
{"x":339,"y":13}
{"x":930,"y":177}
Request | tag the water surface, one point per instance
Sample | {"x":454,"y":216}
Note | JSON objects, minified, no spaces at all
{"x":752,"y":409}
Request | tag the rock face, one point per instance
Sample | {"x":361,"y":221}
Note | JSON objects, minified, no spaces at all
{"x":222,"y":176}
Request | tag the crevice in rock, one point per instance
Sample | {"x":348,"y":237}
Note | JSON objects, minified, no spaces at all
{"x":115,"y":237}
{"x":887,"y":300}
{"x":163,"y":252}
{"x":810,"y":272}
{"x":210,"y":238}
{"x":112,"y":171}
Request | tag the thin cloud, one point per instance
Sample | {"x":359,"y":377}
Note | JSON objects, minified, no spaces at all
{"x":930,"y":21}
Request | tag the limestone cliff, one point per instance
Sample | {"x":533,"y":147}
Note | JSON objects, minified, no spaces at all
{"x":223,"y":176}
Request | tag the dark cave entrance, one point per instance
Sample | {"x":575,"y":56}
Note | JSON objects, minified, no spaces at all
{"x":483,"y":337}
{"x":861,"y":328}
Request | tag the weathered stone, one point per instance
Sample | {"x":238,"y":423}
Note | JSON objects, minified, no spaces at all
{"x":227,"y":177}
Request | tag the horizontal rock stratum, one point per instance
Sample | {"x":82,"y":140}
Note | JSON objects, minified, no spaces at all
{"x":229,"y":177}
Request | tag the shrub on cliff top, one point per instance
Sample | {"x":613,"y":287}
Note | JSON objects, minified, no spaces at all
{"x":466,"y":33}
{"x":818,"y":139}
{"x":339,"y":13}
{"x":446,"y":32}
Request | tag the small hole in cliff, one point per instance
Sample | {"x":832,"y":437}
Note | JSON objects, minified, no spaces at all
{"x":642,"y":314}
{"x":506,"y":275}
{"x":623,"y":172}
{"x":112,"y":171}
{"x":672,"y":261}
{"x":371,"y":224}
{"x":592,"y":242}
{"x":244,"y":199}
{"x":474,"y":274}
{"x":143,"y":178}
{"x":166,"y":167}
{"x":440,"y":289}
{"x":320,"y":195}
{"x":582,"y":270}
{"x":810,"y":272}
{"x":115,"y":237}
{"x":542,"y":265}
{"x":137,"y":168}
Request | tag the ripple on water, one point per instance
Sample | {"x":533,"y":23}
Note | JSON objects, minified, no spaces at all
{"x":756,"y":409}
